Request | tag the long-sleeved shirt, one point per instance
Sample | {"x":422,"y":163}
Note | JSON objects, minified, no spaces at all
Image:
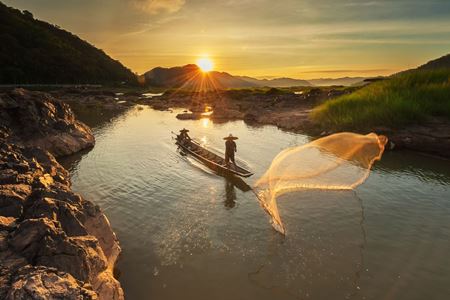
{"x":230,"y":147}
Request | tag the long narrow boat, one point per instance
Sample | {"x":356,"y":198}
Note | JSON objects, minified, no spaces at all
{"x":209,"y":158}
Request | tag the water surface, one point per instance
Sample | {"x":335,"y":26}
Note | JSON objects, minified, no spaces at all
{"x":187,"y":233}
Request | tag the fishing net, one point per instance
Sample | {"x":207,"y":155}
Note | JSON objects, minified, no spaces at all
{"x":340,"y":161}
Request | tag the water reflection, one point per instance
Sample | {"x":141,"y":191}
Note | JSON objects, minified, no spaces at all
{"x":230,"y":194}
{"x":426,"y":169}
{"x":231,"y":184}
{"x":205,"y":122}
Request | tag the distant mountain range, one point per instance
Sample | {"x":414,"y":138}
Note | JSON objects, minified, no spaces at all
{"x":276,"y":82}
{"x":33,"y":51}
{"x":345,"y":81}
{"x":190,"y":76}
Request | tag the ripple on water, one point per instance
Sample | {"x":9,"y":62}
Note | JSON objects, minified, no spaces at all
{"x":208,"y":239}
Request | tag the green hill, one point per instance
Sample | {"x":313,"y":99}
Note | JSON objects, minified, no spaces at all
{"x":440,"y":63}
{"x":405,"y":98}
{"x":33,"y":51}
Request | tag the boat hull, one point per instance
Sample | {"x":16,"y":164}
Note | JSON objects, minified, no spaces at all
{"x":210,"y":159}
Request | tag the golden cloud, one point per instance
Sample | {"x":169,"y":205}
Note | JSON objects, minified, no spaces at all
{"x":159,"y":6}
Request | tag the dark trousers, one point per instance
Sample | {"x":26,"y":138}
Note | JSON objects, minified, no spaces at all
{"x":228,"y":157}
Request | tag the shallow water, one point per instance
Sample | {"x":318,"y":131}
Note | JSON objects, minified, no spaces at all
{"x":187,"y":233}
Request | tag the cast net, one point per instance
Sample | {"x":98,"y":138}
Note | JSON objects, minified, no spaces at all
{"x":340,"y":161}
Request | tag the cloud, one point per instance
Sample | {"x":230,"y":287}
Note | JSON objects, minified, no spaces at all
{"x":362,"y":4}
{"x":158,"y":6}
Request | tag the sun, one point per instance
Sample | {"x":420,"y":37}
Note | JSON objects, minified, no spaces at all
{"x":205,"y":64}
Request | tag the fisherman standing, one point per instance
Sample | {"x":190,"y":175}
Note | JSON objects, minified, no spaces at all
{"x":230,"y":149}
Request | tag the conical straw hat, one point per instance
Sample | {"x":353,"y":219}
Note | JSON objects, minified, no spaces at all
{"x":230,"y":137}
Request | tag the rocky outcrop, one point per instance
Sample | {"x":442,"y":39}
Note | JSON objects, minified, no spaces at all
{"x":36,"y":119}
{"x":53,"y":243}
{"x":432,"y":137}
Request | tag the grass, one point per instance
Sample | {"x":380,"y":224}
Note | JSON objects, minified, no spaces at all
{"x":406,"y":98}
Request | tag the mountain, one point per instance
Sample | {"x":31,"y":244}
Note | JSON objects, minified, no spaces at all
{"x":440,"y":63}
{"x":190,"y":76}
{"x":33,"y":51}
{"x":345,"y":81}
{"x":276,"y":82}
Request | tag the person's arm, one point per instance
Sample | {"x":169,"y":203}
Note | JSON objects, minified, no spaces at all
{"x":235,"y":147}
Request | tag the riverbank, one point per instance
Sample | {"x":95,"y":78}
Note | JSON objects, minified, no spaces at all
{"x":289,"y":109}
{"x":53,"y":243}
{"x":295,"y":111}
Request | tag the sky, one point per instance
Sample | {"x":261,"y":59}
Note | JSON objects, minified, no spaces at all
{"x":262,"y":38}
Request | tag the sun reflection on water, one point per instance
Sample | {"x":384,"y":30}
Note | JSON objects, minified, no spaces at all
{"x":205,"y":122}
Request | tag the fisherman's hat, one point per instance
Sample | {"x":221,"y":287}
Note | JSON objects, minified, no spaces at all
{"x":230,"y":137}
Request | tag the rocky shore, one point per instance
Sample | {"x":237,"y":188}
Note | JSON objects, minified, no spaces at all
{"x":288,"y":110}
{"x":53,"y":243}
{"x":36,"y":119}
{"x":291,"y":112}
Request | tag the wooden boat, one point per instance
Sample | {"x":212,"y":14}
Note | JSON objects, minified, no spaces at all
{"x":209,"y":158}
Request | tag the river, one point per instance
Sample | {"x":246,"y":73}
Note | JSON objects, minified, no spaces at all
{"x":187,"y":233}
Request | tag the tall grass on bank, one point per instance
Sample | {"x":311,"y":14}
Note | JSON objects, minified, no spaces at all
{"x":406,"y":98}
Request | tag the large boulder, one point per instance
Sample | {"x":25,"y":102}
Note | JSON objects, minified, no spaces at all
{"x":36,"y":119}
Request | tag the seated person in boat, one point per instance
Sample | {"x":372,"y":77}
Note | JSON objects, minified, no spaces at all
{"x":184,"y":136}
{"x":230,"y":149}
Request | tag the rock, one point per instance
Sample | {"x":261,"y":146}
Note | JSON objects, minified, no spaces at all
{"x":227,"y":114}
{"x":44,"y":242}
{"x":11,"y":261}
{"x":3,"y":240}
{"x":189,"y":116}
{"x":36,"y":119}
{"x":47,"y":283}
{"x":432,"y":137}
{"x":28,"y":238}
{"x":98,"y":225}
{"x":66,"y":241}
{"x":251,"y":117}
{"x":11,"y":203}
{"x":7,"y":223}
{"x":160,"y":106}
{"x":60,"y":211}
